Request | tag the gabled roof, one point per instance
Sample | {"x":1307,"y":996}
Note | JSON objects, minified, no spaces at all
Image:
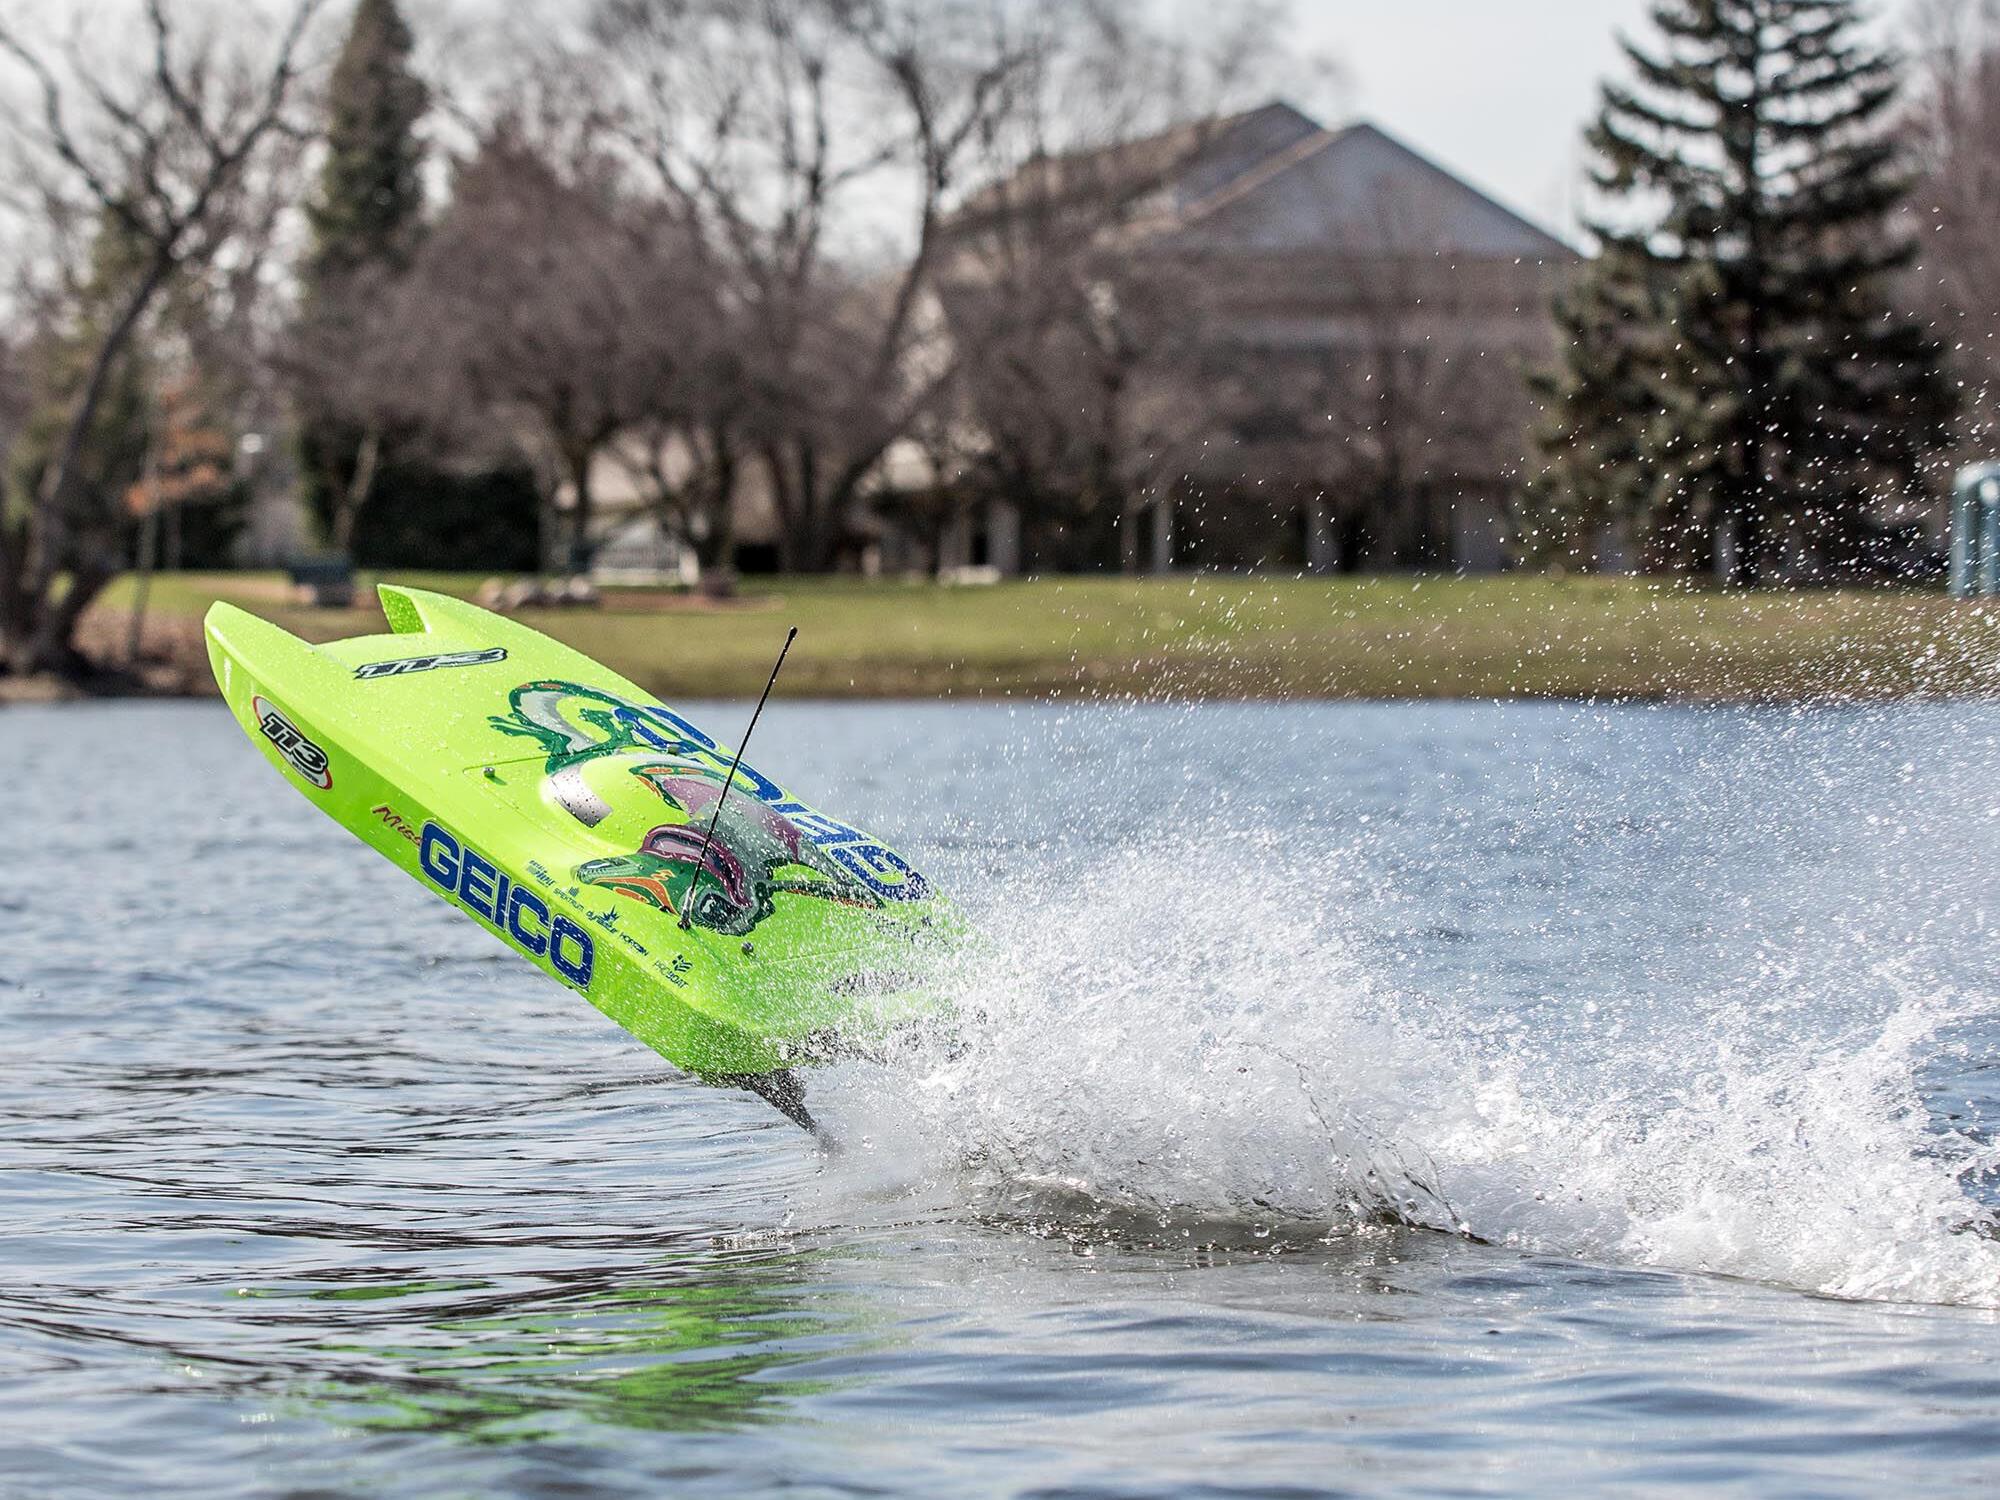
{"x":1362,"y":191}
{"x":1196,"y":157}
{"x":1274,"y":181}
{"x":1234,"y":145}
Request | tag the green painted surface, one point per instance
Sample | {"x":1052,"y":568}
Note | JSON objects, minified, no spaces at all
{"x":564,"y":809}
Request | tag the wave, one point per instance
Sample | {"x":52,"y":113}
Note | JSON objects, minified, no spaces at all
{"x":1184,"y":1034}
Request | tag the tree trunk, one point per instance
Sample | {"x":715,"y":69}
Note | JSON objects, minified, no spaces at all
{"x":52,"y":496}
{"x":39,"y":629}
{"x":715,"y":547}
{"x":817,"y":510}
{"x":580,"y":546}
{"x":14,"y":618}
{"x":784,"y":501}
{"x":367,"y":455}
{"x":1322,"y":538}
{"x":51,"y":647}
{"x":809,"y":520}
{"x":149,"y":558}
{"x":1751,"y":563}
{"x":1683,"y":538}
{"x":715,"y":555}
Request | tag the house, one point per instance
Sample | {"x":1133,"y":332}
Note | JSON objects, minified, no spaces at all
{"x":1310,"y":357}
{"x":1353,"y":396}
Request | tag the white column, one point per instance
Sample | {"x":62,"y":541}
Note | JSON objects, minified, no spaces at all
{"x":1003,"y":538}
{"x":1163,"y":534}
{"x":1322,"y":542}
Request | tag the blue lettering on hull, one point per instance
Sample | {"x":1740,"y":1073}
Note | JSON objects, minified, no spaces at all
{"x":519,"y":915}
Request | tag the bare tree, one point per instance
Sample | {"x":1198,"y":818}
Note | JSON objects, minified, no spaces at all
{"x":1954,"y":135}
{"x":367,"y":358}
{"x":685,"y":453}
{"x":1084,"y":338}
{"x":15,"y":397}
{"x":163,"y":155}
{"x":761,"y":122}
{"x":1087,"y":398}
{"x":543,"y":314}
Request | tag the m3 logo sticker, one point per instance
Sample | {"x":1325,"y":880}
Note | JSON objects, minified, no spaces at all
{"x":299,"y":752}
{"x":402,"y":666}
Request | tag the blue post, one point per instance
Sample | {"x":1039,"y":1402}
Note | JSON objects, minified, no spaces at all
{"x":1975,"y":531}
{"x":1989,"y":536}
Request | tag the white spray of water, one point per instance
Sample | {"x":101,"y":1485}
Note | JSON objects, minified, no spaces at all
{"x":1142,"y":1043}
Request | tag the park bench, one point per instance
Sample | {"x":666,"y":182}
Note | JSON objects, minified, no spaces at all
{"x":322,"y":582}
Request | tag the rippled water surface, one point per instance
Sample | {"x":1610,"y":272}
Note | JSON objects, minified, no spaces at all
{"x":1348,"y":1099}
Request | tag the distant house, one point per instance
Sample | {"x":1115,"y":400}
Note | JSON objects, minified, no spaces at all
{"x":633,"y":544}
{"x":1354,"y":398}
{"x":1335,"y":384}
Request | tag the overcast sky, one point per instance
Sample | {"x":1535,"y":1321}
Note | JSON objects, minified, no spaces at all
{"x":1497,"y":90}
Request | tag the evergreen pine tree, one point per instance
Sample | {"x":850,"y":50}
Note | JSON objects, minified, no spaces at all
{"x":1599,"y":413}
{"x":365,"y":221}
{"x":1736,"y":369}
{"x":370,"y":198}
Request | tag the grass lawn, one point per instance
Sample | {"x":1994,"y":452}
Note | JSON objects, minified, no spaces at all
{"x":1227,"y":636}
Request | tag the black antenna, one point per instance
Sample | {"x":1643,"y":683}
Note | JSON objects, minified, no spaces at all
{"x":701,"y":863}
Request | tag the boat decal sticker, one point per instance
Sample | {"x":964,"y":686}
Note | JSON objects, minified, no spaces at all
{"x":394,"y":821}
{"x":300,"y":753}
{"x":513,"y":911}
{"x":758,"y":854}
{"x":573,"y":723}
{"x":768,"y":830}
{"x":403,"y":666}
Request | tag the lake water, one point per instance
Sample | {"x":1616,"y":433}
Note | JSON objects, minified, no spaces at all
{"x":1452,"y":1099}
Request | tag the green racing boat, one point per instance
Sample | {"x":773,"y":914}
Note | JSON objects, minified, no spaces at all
{"x":618,"y":847}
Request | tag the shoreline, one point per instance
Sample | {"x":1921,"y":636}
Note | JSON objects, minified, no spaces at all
{"x":45,"y":692}
{"x":1188,"y":638}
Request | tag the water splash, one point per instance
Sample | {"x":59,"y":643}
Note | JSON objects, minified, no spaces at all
{"x":1170,"y":1049}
